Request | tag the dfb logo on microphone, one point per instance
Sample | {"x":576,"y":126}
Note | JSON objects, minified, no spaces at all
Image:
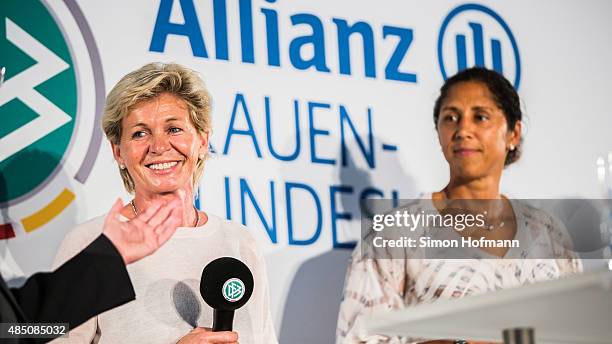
{"x":233,"y":289}
{"x":475,"y":35}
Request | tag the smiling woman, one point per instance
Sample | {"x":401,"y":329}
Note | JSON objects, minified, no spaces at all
{"x":158,"y":121}
{"x":160,"y":148}
{"x":150,"y":96}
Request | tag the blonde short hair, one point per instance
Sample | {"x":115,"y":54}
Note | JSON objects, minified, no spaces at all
{"x":146,"y":83}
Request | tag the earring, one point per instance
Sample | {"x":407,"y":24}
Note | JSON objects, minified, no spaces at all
{"x":202,"y":155}
{"x":512,"y":147}
{"x":122,"y":166}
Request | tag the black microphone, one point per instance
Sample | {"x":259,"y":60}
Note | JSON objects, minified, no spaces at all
{"x":226,"y":285}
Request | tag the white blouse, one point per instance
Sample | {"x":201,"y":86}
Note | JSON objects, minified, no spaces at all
{"x":399,"y":282}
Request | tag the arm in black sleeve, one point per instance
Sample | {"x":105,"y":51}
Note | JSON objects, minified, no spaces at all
{"x":94,"y":281}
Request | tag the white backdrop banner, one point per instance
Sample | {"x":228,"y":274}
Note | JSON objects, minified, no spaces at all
{"x":316,"y":105}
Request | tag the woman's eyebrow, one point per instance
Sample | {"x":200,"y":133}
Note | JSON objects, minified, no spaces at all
{"x":480,"y":107}
{"x":451,"y":108}
{"x":140,"y":124}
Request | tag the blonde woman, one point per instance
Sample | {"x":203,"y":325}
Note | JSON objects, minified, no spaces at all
{"x":157,"y":119}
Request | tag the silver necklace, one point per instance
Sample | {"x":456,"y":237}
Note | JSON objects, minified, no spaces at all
{"x":197,"y":219}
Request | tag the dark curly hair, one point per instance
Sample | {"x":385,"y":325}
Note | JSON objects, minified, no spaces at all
{"x":504,"y":95}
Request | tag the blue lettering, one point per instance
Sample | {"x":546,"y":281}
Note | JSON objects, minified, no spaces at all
{"x":292,"y":241}
{"x":245,"y":190}
{"x":335,"y":215}
{"x":228,"y":205}
{"x":292,"y":156}
{"x":220,"y":16}
{"x":344,"y":50}
{"x":233,"y":131}
{"x":246,"y":31}
{"x":477,"y":35}
{"x":461,"y":52}
{"x":316,"y":132}
{"x":317,"y":39}
{"x":191,"y":28}
{"x":392,"y":71}
{"x":497,"y":56}
{"x":272,"y":36}
{"x":368,"y":154}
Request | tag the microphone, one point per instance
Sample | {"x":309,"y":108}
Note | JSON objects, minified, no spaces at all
{"x":226,"y":285}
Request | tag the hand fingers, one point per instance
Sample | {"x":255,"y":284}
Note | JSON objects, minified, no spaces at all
{"x":169,"y":226}
{"x":153,"y":207}
{"x":163,"y":212}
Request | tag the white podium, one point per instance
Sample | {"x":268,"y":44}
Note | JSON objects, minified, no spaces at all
{"x":576,"y":310}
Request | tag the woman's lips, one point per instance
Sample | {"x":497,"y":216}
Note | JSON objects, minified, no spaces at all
{"x":465,"y":151}
{"x":163,"y":167}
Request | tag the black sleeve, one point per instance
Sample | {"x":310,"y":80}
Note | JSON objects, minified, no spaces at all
{"x":94,"y":281}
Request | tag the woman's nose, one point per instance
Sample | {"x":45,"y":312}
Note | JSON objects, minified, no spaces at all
{"x":464,"y":129}
{"x":160,"y":143}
